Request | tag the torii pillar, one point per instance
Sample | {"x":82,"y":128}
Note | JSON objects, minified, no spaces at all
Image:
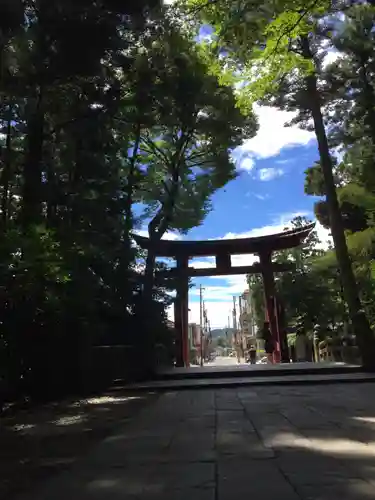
{"x":269,"y":298}
{"x":181,"y":312}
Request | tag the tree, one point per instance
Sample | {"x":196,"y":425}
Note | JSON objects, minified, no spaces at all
{"x":184,"y":156}
{"x":348,"y":87}
{"x":307,"y":292}
{"x":64,"y":250}
{"x":103,"y":106}
{"x":281,"y":60}
{"x":222,"y":342}
{"x":69,"y":117}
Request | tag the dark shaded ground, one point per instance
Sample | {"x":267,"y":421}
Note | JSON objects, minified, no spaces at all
{"x":37,"y":443}
{"x":265,"y":443}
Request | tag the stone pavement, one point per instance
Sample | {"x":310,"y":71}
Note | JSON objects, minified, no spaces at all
{"x":271,"y":443}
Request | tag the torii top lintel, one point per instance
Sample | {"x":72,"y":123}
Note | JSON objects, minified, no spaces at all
{"x":207,"y":248}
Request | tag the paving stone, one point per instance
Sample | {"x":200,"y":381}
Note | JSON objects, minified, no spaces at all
{"x":259,"y":480}
{"x":188,"y":456}
{"x":201,"y":437}
{"x":120,"y":452}
{"x":190,"y":451}
{"x":349,"y":490}
{"x":185,"y":494}
{"x":185,"y":476}
{"x":260,"y":491}
{"x":115,"y":484}
{"x":242,"y":444}
{"x":303,"y":476}
{"x":195,"y":423}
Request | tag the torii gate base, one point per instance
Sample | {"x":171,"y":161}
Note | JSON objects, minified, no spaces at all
{"x":263,"y":246}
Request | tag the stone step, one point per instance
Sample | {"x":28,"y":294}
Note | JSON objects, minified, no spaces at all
{"x":261,"y":370}
{"x":236,"y":382}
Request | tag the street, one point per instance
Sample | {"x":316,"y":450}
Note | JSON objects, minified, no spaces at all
{"x":224,"y":361}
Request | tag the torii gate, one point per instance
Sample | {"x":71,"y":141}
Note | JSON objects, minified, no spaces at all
{"x":263,"y":246}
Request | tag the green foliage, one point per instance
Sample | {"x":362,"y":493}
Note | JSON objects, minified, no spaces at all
{"x":223,"y":342}
{"x":309,"y":293}
{"x":185,"y":157}
{"x":104,"y":106}
{"x":277,"y":50}
{"x":256,"y":37}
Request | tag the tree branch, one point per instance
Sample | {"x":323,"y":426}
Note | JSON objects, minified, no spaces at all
{"x":290,"y":29}
{"x":150,"y":143}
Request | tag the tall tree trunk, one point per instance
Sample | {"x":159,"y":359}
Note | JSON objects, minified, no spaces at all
{"x":131,"y":181}
{"x":6,"y":174}
{"x":369,"y":121}
{"x":162,"y":220}
{"x":32,"y":187}
{"x":369,"y":94}
{"x":156,"y":229}
{"x":51,"y":178}
{"x":361,"y":326}
{"x":154,"y":237}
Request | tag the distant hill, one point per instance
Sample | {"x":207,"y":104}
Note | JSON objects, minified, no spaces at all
{"x":221,"y":332}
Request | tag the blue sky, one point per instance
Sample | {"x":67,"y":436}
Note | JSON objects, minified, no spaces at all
{"x":264,"y":198}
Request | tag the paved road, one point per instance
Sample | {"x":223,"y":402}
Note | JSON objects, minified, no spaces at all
{"x":224,"y":361}
{"x":292,"y":443}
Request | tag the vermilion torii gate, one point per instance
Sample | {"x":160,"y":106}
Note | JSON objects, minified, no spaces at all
{"x":222,"y":250}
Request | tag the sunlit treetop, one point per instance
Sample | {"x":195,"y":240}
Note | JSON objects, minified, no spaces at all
{"x":253,"y":40}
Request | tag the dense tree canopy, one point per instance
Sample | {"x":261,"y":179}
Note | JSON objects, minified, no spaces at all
{"x":113,"y":118}
{"x":109,"y":120}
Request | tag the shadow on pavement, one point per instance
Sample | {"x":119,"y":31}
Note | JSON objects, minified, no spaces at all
{"x":40,"y":442}
{"x":293,"y":443}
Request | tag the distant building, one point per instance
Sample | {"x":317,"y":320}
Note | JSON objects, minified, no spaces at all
{"x":248,"y":323}
{"x":194,"y":335}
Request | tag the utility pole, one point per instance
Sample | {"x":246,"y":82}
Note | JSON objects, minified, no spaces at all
{"x":201,"y":319}
{"x":240,"y":319}
{"x":240,"y":322}
{"x":227,"y":334}
{"x":205,"y":320}
{"x":234,"y":315}
{"x":235,"y":333}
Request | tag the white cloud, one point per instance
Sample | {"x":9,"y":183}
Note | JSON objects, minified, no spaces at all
{"x":278,"y":226}
{"x":331,"y":56}
{"x":262,"y":197}
{"x":246,"y":163}
{"x":218,"y":313}
{"x":167,"y":236}
{"x":324,"y":236}
{"x":268,"y":174}
{"x":285,"y":218}
{"x":201,"y":262}
{"x":272,"y":137}
{"x":259,"y":196}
